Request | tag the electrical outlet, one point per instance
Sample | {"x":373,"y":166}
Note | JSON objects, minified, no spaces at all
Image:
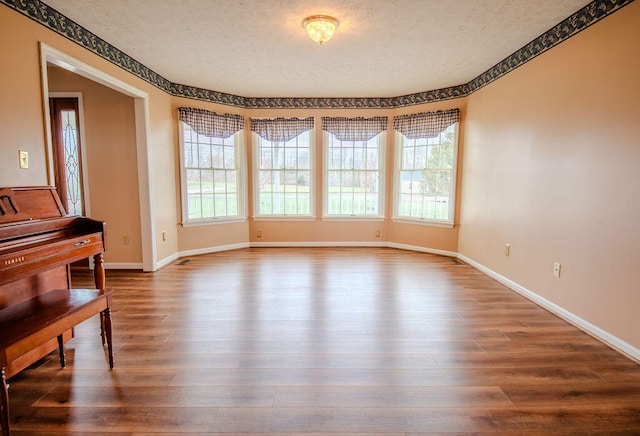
{"x":556,"y":269}
{"x":124,"y":239}
{"x":377,"y":233}
{"x":164,"y":236}
{"x":259,"y":233}
{"x":507,"y":250}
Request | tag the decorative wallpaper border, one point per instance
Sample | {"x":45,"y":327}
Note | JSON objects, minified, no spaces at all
{"x":55,"y":21}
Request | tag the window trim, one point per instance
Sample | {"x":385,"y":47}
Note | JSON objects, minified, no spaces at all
{"x":256,"y":216}
{"x":238,"y":140}
{"x":395,"y":217}
{"x":380,"y":216}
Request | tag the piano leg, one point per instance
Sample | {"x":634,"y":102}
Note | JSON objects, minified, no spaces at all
{"x":63,"y":360}
{"x":98,"y":271}
{"x":107,"y":330}
{"x":4,"y":404}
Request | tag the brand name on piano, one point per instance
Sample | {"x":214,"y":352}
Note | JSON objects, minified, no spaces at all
{"x":14,"y":260}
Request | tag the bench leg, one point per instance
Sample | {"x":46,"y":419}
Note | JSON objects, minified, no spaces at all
{"x":107,"y":331}
{"x":102,"y":328}
{"x":63,"y":360}
{"x":4,"y":404}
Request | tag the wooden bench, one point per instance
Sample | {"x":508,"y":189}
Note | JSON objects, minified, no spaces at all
{"x":34,"y":322}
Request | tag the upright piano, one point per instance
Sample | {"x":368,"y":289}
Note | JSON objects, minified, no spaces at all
{"x":38,"y":243}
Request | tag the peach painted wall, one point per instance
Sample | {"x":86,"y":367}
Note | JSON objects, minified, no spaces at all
{"x":21,"y":108}
{"x":164,"y":182}
{"x":110,"y":148}
{"x":551,"y":167}
{"x":22,"y":126}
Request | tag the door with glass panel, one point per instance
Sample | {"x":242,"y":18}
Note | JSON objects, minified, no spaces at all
{"x":67,"y":161}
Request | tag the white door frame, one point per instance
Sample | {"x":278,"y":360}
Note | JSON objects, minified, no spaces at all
{"x":49,"y":55}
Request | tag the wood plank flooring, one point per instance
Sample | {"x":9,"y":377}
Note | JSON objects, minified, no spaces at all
{"x":324,"y":341}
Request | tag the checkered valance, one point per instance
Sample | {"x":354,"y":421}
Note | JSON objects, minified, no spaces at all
{"x":211,"y":124}
{"x":425,"y":124}
{"x":354,"y":129}
{"x":281,"y":129}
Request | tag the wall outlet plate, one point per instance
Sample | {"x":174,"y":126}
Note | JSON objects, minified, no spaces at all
{"x":556,"y":269}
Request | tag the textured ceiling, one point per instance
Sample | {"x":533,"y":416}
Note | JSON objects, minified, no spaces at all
{"x":258,"y":48}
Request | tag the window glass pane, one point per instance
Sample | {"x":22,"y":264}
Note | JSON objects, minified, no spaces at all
{"x":71,"y":150}
{"x":229,"y":158}
{"x":408,"y":154}
{"x":304,"y":159}
{"x":372,"y":157}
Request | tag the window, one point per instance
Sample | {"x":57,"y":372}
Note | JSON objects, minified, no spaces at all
{"x":211,"y":160}
{"x":425,"y":166}
{"x":283,"y":162}
{"x":354,"y":166}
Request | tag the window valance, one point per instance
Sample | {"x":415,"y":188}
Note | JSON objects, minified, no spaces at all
{"x":209,"y":123}
{"x":281,"y":129}
{"x":354,"y":129}
{"x":425,"y":124}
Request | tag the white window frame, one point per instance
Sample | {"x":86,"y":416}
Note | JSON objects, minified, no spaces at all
{"x":241,"y":188}
{"x":382,"y":146}
{"x":396,"y":217}
{"x":255,"y":138}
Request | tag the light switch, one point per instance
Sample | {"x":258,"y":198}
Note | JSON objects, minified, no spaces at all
{"x":24,"y":159}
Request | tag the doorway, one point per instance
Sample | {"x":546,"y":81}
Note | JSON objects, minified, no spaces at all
{"x":50,"y":56}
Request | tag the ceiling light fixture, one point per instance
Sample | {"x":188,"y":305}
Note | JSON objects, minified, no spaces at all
{"x":320,"y":28}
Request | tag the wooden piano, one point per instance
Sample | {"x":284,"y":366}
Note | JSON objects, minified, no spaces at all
{"x":38,"y":308}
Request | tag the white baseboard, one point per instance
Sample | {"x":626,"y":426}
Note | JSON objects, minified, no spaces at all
{"x":318,"y":244}
{"x":167,"y":260}
{"x":357,"y":244}
{"x":422,"y":249}
{"x":591,"y":329}
{"x":122,"y":265}
{"x":213,"y":249}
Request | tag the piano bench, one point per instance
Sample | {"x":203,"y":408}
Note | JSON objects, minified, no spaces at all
{"x":34,"y":322}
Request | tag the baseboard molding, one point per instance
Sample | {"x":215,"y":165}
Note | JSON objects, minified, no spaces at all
{"x":318,"y":244}
{"x":167,"y":260}
{"x":122,"y":265}
{"x":208,"y":250}
{"x":357,"y":244}
{"x":422,"y":249}
{"x":591,"y":329}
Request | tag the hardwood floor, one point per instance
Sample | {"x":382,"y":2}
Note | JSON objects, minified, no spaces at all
{"x":326,"y":340}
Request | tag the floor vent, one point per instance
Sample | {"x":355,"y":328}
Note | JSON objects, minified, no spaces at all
{"x":184,"y":262}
